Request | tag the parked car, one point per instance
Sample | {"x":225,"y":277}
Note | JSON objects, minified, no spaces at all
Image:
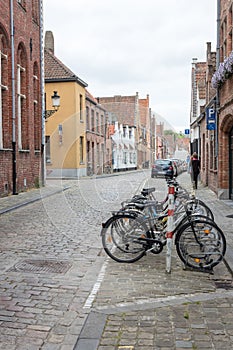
{"x":163,"y":168}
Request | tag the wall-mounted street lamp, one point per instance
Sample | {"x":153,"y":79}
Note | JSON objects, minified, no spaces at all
{"x":55,"y":103}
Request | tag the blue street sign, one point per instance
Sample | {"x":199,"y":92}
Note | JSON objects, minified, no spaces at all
{"x":186,"y":131}
{"x":210,"y":118}
{"x":211,"y":126}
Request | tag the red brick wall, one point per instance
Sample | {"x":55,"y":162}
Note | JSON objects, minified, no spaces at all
{"x":217,"y":177}
{"x":226,"y":100}
{"x":144,"y":112}
{"x":225,"y":126}
{"x":28,"y":160}
{"x":225,"y":28}
{"x":226,"y":92}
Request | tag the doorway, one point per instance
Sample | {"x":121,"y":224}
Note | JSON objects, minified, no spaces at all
{"x":231,"y":164}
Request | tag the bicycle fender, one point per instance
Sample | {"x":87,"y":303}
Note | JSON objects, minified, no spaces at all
{"x":112,"y":218}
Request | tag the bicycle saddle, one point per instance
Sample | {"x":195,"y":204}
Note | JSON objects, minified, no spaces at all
{"x":147,"y":191}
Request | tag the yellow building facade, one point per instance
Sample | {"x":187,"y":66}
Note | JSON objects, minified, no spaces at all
{"x":65,"y":130}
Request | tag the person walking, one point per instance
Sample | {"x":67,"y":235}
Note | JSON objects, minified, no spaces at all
{"x":195,"y":169}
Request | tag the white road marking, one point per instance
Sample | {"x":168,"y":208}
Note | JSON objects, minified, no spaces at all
{"x":95,"y":289}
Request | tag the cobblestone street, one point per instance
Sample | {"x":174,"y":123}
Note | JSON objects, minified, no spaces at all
{"x":50,"y":257}
{"x":58,"y":289}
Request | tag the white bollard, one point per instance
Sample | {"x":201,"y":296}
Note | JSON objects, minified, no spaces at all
{"x":170,"y":226}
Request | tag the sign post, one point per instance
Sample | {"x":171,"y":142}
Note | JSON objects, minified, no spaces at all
{"x":170,"y":226}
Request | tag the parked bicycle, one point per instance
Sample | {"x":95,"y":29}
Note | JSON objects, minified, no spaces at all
{"x":139,"y":227}
{"x":146,"y":203}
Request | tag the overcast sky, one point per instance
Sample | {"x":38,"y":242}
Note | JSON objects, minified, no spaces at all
{"x":120,"y":47}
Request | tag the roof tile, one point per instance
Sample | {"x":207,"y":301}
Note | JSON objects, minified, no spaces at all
{"x":56,"y":70}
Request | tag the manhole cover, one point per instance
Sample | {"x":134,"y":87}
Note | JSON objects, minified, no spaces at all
{"x":224,"y":284}
{"x":38,"y":266}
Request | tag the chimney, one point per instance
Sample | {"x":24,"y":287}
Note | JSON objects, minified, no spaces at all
{"x":208,"y":54}
{"x":49,"y":41}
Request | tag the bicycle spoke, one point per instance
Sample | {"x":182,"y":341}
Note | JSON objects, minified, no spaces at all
{"x":200,"y":244}
{"x":121,"y":239}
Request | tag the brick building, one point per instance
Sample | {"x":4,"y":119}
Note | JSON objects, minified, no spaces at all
{"x":202,"y":135}
{"x":218,"y":146}
{"x":225,"y":102}
{"x":97,"y":147}
{"x":134,"y":112}
{"x":214,"y":122}
{"x":198,"y":101}
{"x":208,"y":152}
{"x":20,"y":95}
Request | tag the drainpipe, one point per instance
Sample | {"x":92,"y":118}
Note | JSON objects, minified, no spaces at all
{"x":193,"y":114}
{"x":199,"y":140}
{"x":217,"y":65}
{"x":42,"y":96}
{"x":14,"y":173}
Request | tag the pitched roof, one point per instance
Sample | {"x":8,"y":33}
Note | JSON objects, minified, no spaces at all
{"x":122,"y":108}
{"x":55,"y":70}
{"x":91,"y":97}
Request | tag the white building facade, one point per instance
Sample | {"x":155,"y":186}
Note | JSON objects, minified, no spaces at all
{"x":124,"y":151}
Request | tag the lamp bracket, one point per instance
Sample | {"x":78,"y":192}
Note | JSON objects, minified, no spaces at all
{"x":49,"y":112}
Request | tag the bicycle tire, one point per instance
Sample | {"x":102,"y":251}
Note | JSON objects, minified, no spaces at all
{"x":192,"y":217}
{"x":121,"y":238}
{"x":197,"y":206}
{"x":203,"y":251}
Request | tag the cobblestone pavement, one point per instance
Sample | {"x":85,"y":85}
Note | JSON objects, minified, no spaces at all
{"x":50,"y":255}
{"x":139,"y":306}
{"x":58,"y":290}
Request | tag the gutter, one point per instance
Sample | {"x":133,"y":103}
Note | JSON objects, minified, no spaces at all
{"x":217,"y":65}
{"x":14,"y":172}
{"x":42,"y":96}
{"x":71,"y":79}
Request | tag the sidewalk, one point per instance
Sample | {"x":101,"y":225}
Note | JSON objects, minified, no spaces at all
{"x":222,"y":210}
{"x":13,"y":202}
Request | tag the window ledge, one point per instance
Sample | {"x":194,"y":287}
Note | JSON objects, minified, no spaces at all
{"x":24,"y":150}
{"x":6,"y":149}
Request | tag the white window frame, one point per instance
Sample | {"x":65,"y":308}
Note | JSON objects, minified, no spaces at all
{"x":20,"y":96}
{"x":3,"y":87}
{"x":35,"y":77}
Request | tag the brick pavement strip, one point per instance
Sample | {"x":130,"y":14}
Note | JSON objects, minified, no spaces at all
{"x":188,"y":325}
{"x":148,"y":313}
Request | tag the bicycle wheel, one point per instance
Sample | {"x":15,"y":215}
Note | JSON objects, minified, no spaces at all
{"x":200,"y":244}
{"x":192,"y":217}
{"x":196,"y":206}
{"x":121,"y":238}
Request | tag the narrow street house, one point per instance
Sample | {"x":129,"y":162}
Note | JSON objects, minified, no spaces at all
{"x":66,"y":129}
{"x":20,"y":96}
